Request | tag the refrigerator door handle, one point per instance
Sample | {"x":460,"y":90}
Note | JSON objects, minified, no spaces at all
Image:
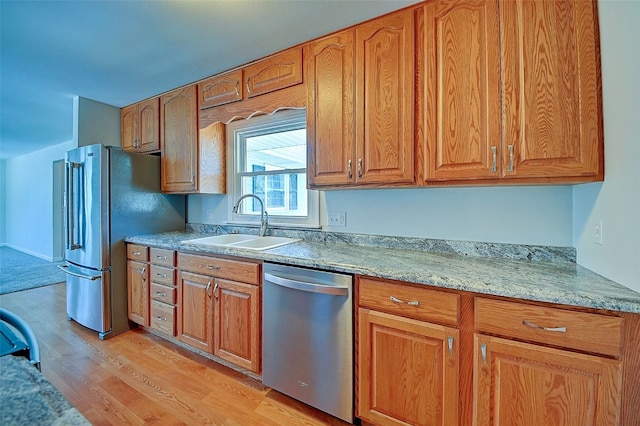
{"x":73,"y":201}
{"x":66,"y":270}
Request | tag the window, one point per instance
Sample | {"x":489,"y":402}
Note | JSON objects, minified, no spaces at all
{"x":268,"y":158}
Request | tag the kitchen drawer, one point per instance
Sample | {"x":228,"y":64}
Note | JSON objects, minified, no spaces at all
{"x":136,"y":252}
{"x":163,"y":317}
{"x":583,"y":331}
{"x":162,"y":293}
{"x":162,"y":257}
{"x":410,"y":301}
{"x":236,"y":270}
{"x":162,"y":275}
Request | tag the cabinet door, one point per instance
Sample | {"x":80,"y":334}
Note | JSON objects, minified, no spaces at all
{"x":274,"y":73}
{"x":462,"y":87}
{"x":195,"y":311}
{"x":179,"y":133}
{"x":530,"y":385}
{"x":237,"y":323}
{"x":138,"y":292}
{"x":551,"y":89}
{"x":384,"y":99}
{"x":129,"y":128}
{"x":407,"y":371}
{"x":149,"y":115}
{"x":330,"y":110}
{"x":221,"y":89}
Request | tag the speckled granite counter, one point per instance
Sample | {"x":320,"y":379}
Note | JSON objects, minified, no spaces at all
{"x":27,"y":397}
{"x":561,"y":281}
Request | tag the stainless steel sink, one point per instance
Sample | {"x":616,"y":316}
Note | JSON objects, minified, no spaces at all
{"x":245,"y":241}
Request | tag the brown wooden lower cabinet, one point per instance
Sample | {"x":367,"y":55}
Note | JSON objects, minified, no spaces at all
{"x":138,"y":292}
{"x":195,"y":310}
{"x":407,"y":371}
{"x":530,"y":385}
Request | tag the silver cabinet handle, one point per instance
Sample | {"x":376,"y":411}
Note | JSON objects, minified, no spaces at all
{"x":553,"y":329}
{"x":248,"y":88}
{"x":359,"y":168}
{"x":215,"y":291}
{"x":213,"y":267}
{"x":308,"y":287}
{"x":483,"y":353}
{"x":402,"y":302}
{"x":494,"y":153}
{"x":161,"y":294}
{"x":510,"y":148}
{"x":450,"y":345}
{"x":143,"y":271}
{"x":161,"y":257}
{"x":237,"y":87}
{"x":158,"y":274}
{"x":136,"y":253}
{"x":66,"y":270}
{"x":161,"y":318}
{"x":206,"y":290}
{"x":349,"y":169}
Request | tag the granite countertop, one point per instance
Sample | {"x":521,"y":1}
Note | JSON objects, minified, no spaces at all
{"x":28,"y":398}
{"x":562,"y":282}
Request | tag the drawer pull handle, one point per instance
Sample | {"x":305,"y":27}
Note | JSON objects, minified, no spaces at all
{"x":554,"y":329}
{"x":212,"y":267}
{"x":402,"y":302}
{"x":450,"y":344}
{"x":161,"y":257}
{"x":158,"y":274}
{"x":159,"y":293}
{"x":136,"y":253}
{"x":483,"y":353}
{"x":161,"y":318}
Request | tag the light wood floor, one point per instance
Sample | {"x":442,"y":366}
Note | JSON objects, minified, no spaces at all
{"x":138,"y":378}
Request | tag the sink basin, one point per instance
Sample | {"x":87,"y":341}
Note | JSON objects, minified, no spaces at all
{"x":222,"y":239}
{"x":264,"y":243}
{"x":245,"y":241}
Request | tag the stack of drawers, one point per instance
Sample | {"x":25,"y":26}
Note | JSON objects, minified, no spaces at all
{"x":163,"y":290}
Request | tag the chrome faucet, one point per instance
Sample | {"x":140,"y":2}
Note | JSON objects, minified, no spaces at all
{"x":264,"y":216}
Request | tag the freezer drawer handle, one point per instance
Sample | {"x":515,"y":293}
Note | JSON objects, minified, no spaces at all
{"x":309,"y":287}
{"x":66,"y":270}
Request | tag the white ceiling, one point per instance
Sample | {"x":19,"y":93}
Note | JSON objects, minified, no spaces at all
{"x":120,"y":52}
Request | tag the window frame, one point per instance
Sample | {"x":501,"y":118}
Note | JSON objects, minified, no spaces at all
{"x":236,"y":133}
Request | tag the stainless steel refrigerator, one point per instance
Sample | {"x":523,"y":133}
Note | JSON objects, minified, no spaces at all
{"x":109,"y":195}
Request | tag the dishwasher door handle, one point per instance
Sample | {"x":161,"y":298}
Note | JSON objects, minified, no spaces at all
{"x":308,"y":287}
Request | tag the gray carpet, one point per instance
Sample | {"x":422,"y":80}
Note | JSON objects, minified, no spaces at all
{"x":20,"y":271}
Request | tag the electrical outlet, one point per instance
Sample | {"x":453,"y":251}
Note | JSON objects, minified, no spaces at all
{"x":209,"y":213}
{"x":597,"y":233}
{"x":337,"y":219}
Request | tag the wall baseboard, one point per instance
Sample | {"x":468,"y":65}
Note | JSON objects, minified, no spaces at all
{"x":31,"y":253}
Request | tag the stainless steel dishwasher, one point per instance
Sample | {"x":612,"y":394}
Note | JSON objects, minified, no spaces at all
{"x":307,"y":332}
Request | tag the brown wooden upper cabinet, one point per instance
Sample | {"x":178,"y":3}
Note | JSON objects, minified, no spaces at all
{"x":267,"y":75}
{"x":193,"y":159}
{"x":510,"y":92}
{"x":140,"y":125}
{"x":360,"y":104}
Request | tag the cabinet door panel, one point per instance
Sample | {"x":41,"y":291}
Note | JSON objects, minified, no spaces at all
{"x":195,"y":311}
{"x":149,"y":113}
{"x":179,"y":121}
{"x":330,"y":110}
{"x":129,"y":128}
{"x":221,"y":89}
{"x":463,"y":89}
{"x":529,"y":385}
{"x":237,"y":319}
{"x":406,"y":372}
{"x":138,"y":292}
{"x":551,"y":88}
{"x":384,"y":105}
{"x":274,"y":73}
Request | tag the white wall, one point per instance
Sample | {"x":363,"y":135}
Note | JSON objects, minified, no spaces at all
{"x":95,"y":122}
{"x":3,"y":202}
{"x":29,"y":200}
{"x":616,"y":201}
{"x":517,"y":215}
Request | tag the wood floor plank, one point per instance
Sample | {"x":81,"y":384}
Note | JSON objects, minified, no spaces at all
{"x":139,"y":378}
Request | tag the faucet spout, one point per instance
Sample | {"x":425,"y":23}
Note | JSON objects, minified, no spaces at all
{"x":264,"y":216}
